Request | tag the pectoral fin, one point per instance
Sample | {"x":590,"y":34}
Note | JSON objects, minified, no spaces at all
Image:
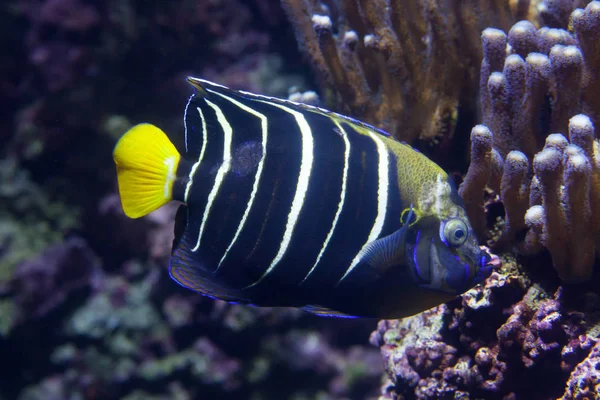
{"x":383,"y":253}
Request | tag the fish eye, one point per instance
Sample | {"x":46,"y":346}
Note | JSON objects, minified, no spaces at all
{"x":455,"y":232}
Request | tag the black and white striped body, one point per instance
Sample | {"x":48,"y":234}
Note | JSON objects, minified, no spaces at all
{"x":280,"y":200}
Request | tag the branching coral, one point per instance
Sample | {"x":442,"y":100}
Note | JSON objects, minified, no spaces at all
{"x":404,"y":66}
{"x":535,"y":82}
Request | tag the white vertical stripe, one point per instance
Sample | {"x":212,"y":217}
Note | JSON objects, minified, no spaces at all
{"x":382,"y":198}
{"x":301,"y":186}
{"x":185,"y":132}
{"x":342,"y":197}
{"x":264,"y":127}
{"x":439,"y":194}
{"x":195,"y":166}
{"x":223,"y":169}
{"x":170,"y":164}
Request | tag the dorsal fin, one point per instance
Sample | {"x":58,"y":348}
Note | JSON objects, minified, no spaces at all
{"x":194,"y":124}
{"x":205,"y":88}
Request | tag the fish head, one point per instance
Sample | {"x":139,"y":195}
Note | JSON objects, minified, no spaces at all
{"x":442,"y":250}
{"x":443,"y":254}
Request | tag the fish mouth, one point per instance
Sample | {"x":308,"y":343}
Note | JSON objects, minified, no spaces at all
{"x":487,"y":264}
{"x":484,"y":259}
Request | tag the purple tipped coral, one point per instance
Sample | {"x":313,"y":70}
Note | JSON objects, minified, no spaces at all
{"x":535,"y":83}
{"x":521,"y":334}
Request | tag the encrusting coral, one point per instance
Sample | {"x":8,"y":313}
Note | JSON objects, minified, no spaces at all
{"x":584,"y":382}
{"x":404,"y":66}
{"x":535,"y":83}
{"x":500,"y":340}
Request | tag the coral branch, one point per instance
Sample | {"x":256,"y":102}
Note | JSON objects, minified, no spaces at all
{"x":524,"y":104}
{"x":394,"y":64}
{"x":515,"y":194}
{"x":483,"y":170}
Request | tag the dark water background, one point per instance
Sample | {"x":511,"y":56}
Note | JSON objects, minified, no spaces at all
{"x":87,"y":310}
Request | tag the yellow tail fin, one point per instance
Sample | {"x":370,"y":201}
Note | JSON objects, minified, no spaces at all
{"x":146,"y":166}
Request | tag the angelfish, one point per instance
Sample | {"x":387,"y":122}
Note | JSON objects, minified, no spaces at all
{"x":285,"y":204}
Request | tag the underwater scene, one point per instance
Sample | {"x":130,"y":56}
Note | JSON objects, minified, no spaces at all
{"x":299,"y":199}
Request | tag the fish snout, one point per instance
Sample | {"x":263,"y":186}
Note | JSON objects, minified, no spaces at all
{"x":487,"y":263}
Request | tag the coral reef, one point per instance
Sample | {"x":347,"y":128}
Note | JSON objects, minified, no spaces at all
{"x":43,"y":284}
{"x":502,"y":340}
{"x":87,"y":309}
{"x":120,"y":343}
{"x":404,"y":66}
{"x":535,"y":83}
{"x":584,"y":382}
{"x":530,"y":191}
{"x":30,"y":220}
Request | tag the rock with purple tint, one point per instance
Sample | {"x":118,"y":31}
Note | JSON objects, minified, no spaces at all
{"x":501,"y":340}
{"x":42,"y":284}
{"x":584,"y":382}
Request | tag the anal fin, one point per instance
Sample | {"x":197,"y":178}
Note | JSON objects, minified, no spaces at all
{"x":187,"y":270}
{"x":325,"y":312}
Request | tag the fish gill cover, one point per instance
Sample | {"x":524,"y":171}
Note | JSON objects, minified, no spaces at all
{"x":86,"y":307}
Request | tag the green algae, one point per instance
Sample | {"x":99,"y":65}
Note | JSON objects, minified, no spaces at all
{"x":175,"y":389}
{"x":29,"y":220}
{"x":164,"y":367}
{"x":102,"y":314}
{"x":8,"y":314}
